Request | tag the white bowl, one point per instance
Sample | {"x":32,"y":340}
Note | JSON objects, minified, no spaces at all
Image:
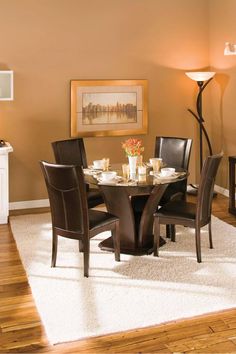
{"x":108,"y":175}
{"x":167,"y":171}
{"x":98,"y":164}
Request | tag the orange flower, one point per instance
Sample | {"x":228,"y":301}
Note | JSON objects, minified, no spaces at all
{"x":133,"y":147}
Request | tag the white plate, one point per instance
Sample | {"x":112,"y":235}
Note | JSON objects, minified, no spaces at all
{"x":174,"y":176}
{"x":159,"y":176}
{"x":90,"y":172}
{"x":91,"y":167}
{"x":110,"y":181}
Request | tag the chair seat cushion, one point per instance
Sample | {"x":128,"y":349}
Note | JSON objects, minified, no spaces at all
{"x":100,"y":218}
{"x":178,"y":208}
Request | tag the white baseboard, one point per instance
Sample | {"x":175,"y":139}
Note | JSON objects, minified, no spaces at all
{"x":223,"y":191}
{"x":3,"y":219}
{"x":29,"y":204}
{"x":42,"y":203}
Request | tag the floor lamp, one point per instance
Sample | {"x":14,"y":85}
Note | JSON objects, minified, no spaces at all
{"x":202,"y":79}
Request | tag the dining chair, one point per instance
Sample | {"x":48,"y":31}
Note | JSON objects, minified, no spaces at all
{"x":71,"y":216}
{"x":72,"y":152}
{"x":193,"y":215}
{"x":175,"y":152}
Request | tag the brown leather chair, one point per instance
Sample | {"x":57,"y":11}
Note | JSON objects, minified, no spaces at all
{"x":175,"y":152}
{"x":71,"y":217}
{"x":72,"y":152}
{"x":180,"y":212}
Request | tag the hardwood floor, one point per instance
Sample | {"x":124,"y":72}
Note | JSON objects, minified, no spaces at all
{"x":22,"y":331}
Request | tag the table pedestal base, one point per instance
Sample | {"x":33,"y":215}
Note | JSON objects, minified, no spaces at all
{"x":107,"y":245}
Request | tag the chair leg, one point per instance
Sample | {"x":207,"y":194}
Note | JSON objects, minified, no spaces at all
{"x":168,"y":231}
{"x":198,"y":243}
{"x":54,"y":249}
{"x":116,"y":240}
{"x":210,"y":235}
{"x":81,"y":246}
{"x":156,"y":240}
{"x":86,"y":258}
{"x":172,"y":234}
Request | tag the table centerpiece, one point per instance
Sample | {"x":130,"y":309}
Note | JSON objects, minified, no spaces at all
{"x":133,"y":149}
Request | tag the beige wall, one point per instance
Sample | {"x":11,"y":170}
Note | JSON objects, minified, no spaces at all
{"x":223,"y":29}
{"x":49,"y":42}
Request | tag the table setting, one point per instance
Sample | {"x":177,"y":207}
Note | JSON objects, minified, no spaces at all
{"x":135,"y":172}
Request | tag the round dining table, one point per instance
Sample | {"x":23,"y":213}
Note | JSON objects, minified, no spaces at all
{"x":136,"y":227}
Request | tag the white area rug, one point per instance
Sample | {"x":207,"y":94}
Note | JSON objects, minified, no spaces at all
{"x":137,"y":292}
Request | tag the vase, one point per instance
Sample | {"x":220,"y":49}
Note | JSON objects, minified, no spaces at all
{"x":132,"y":165}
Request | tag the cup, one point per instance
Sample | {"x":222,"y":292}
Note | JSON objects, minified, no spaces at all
{"x":125,"y":171}
{"x":142,"y":170}
{"x":98,"y":164}
{"x":167,"y":171}
{"x":106,"y":162}
{"x":108,"y":175}
{"x":156,"y":163}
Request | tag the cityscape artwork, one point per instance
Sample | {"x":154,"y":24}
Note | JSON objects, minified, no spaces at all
{"x":108,"y":107}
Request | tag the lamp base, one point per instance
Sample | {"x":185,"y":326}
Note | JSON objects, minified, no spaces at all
{"x":193,"y":190}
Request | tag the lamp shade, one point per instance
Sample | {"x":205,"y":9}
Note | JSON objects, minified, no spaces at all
{"x":200,"y":75}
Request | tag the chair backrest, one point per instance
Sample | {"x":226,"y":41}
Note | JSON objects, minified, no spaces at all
{"x":70,"y":152}
{"x":174,"y":151}
{"x":67,"y":196}
{"x":206,"y":187}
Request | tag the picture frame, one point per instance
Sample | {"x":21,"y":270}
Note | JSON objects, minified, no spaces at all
{"x":6,"y":85}
{"x":108,"y":107}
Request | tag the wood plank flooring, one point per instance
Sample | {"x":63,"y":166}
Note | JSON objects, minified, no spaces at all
{"x":21,"y":329}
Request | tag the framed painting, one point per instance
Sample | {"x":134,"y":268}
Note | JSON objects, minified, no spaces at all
{"x":108,"y":107}
{"x":6,"y":85}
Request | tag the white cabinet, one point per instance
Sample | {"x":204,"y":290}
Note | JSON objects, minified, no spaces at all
{"x":4,"y":183}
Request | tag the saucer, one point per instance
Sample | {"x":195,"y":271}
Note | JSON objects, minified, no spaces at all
{"x":92,"y":167}
{"x":160,"y":176}
{"x":173,"y":176}
{"x":114,"y":180}
{"x":91,"y":172}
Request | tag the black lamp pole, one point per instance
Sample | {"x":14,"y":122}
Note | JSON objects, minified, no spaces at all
{"x":202,"y":79}
{"x":200,"y":120}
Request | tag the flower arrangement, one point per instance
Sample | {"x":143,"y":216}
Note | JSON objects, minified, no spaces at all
{"x":133,"y":147}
